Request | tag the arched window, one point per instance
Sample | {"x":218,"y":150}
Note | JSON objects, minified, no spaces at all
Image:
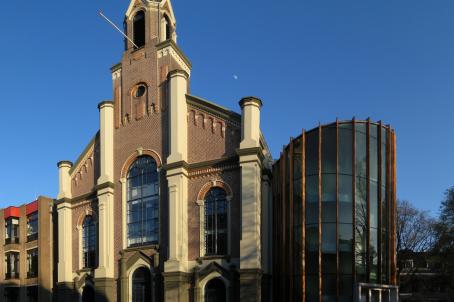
{"x":89,"y":242}
{"x":141,"y":285}
{"x":215,"y":291}
{"x":168,"y":28}
{"x":143,"y":202}
{"x":216,"y":222}
{"x":139,"y":29}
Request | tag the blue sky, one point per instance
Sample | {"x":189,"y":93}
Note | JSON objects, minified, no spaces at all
{"x":310,"y":62}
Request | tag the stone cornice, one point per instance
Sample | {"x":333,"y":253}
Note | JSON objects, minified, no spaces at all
{"x":214,"y":109}
{"x":251,"y":151}
{"x":84,"y":153}
{"x":177,"y":49}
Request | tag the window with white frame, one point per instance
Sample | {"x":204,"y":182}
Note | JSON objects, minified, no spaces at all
{"x":143,"y":202}
{"x":89,"y":239}
{"x":216,"y":222}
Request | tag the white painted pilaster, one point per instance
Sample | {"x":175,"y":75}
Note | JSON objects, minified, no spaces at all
{"x":178,"y":117}
{"x":251,"y":185}
{"x":106,"y":193}
{"x":64,"y":188}
{"x":65,"y":264}
{"x":178,"y":221}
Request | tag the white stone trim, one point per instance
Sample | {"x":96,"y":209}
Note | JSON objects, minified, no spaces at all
{"x":123,"y":213}
{"x":171,"y":52}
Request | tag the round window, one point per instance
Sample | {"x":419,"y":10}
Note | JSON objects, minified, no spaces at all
{"x":140,"y":91}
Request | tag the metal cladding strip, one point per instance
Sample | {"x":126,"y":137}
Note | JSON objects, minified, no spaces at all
{"x":354,"y":201}
{"x":394,"y":267}
{"x":379,"y":231}
{"x":368,"y":264}
{"x":320,"y":213}
{"x":388,"y":192}
{"x":337,"y":210}
{"x":303,"y":214}
{"x":290,"y":245}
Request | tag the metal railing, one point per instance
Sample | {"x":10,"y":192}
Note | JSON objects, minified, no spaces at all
{"x":369,"y":292}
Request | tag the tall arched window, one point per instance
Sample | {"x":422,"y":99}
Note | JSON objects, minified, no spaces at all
{"x":215,"y":291}
{"x":216,"y":221}
{"x":139,"y":29}
{"x":89,"y":242}
{"x":143,"y":202}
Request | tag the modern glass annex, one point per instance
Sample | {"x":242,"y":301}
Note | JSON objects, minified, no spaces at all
{"x":334,"y":212}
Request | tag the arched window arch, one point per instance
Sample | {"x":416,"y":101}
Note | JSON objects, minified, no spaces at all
{"x":215,"y":291}
{"x":89,"y":242}
{"x":216,"y":222}
{"x":143,"y":202}
{"x":139,"y":29}
{"x":141,"y":285}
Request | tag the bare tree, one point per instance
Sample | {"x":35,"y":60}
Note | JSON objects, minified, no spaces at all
{"x":415,"y":228}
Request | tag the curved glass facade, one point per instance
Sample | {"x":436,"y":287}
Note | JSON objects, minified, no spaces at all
{"x":334,"y":211}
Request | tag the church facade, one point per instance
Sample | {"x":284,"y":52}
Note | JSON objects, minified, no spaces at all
{"x":171,"y":198}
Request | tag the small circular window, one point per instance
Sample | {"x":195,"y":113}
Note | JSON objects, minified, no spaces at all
{"x":140,"y":91}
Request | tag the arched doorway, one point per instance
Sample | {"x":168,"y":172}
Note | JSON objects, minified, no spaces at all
{"x":215,"y":291}
{"x":88,"y":294}
{"x":141,"y":285}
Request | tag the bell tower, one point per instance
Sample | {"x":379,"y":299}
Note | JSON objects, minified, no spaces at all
{"x":140,"y":80}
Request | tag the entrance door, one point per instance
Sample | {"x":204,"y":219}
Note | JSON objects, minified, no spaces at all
{"x":215,"y":291}
{"x":141,"y":285}
{"x":88,"y":295}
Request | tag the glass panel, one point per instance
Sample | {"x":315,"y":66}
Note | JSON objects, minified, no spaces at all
{"x":328,"y":187}
{"x":345,"y":149}
{"x":143,"y":202}
{"x":312,"y":200}
{"x":311,"y":288}
{"x":373,"y":144}
{"x":361,"y":150}
{"x":216,"y":222}
{"x":312,"y":249}
{"x":346,"y":288}
{"x":312,"y":153}
{"x":329,"y":141}
{"x":373,"y":255}
{"x":329,"y":248}
{"x":361,"y":229}
{"x":329,"y":289}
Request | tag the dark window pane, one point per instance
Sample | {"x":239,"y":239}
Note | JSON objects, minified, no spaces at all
{"x":361,"y":229}
{"x":345,"y":149}
{"x":312,"y":288}
{"x":329,"y":149}
{"x":329,"y":289}
{"x":312,"y":189}
{"x":312,"y":153}
{"x":373,"y":153}
{"x":139,"y":29}
{"x":346,"y":288}
{"x":373,"y":204}
{"x":361,"y":157}
{"x":329,"y":187}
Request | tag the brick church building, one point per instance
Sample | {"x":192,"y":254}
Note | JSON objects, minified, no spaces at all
{"x":151,"y":209}
{"x":176,"y":198}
